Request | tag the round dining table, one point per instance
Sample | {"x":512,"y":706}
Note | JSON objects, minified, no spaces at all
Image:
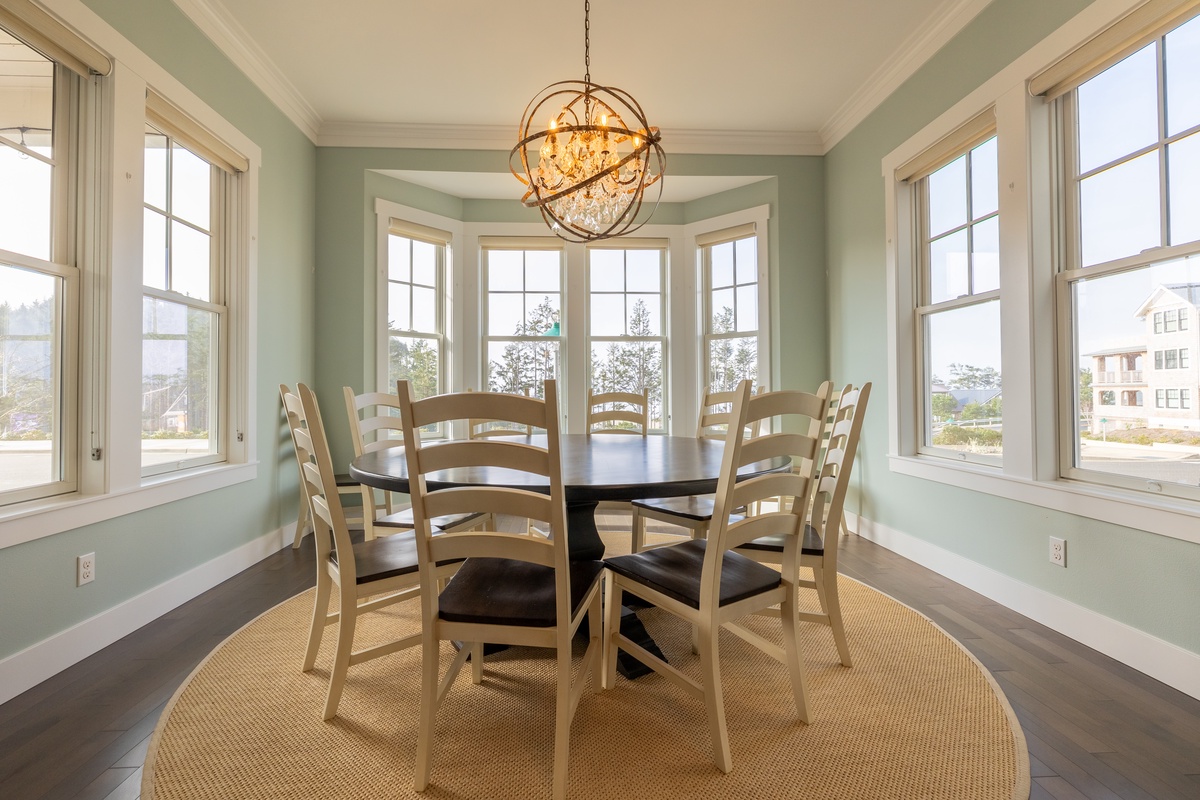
{"x":596,"y":467}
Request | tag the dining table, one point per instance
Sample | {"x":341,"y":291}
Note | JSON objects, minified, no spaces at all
{"x":596,"y":468}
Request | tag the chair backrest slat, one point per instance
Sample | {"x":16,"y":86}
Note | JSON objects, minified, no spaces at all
{"x":618,"y":412}
{"x":829,"y":493}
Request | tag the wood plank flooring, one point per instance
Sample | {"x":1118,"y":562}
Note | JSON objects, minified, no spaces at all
{"x":1095,"y":728}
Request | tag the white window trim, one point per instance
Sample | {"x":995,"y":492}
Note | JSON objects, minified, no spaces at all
{"x":1033,"y":403}
{"x":111,"y":295}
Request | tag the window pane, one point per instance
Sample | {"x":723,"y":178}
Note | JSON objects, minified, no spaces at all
{"x":948,"y":197}
{"x":506,"y":314}
{"x":1183,"y":77}
{"x":26,"y":192}
{"x":519,"y":366}
{"x":399,"y":307}
{"x":1183,"y":159}
{"x":154,"y":249}
{"x":190,"y":264}
{"x":644,"y":270}
{"x":608,"y":315}
{"x":399,"y":258}
{"x":948,"y":267}
{"x":424,"y":262}
{"x":747,"y":308}
{"x":1118,"y":110}
{"x":191,"y":185}
{"x":414,"y":359}
{"x":1119,"y":210}
{"x":985,"y":195}
{"x":746,"y":260}
{"x":155,"y":178}
{"x":506,"y":270}
{"x":963,"y":382}
{"x":29,"y":344}
{"x":424,"y":309}
{"x":28,"y":112}
{"x":542,"y":271}
{"x":985,"y":256}
{"x":722,"y":264}
{"x":722,"y":311}
{"x":630,"y":367}
{"x":179,"y":390}
{"x":731,"y":361}
{"x":645,"y":318}
{"x":607,"y":270}
{"x":1114,"y":333}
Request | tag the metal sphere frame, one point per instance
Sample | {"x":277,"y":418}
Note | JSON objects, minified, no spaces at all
{"x":576,"y":103}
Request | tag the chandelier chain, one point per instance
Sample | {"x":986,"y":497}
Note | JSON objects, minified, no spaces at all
{"x":587,"y":40}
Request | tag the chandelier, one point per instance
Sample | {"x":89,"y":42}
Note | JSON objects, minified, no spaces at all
{"x":595,"y":159}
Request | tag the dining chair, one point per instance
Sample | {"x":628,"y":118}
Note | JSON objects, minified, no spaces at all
{"x":346,"y":485}
{"x":375,"y":425}
{"x":512,"y":588}
{"x":367,"y":576}
{"x":615,"y":412}
{"x":691,"y":512}
{"x":710,"y":586}
{"x":819,"y":546}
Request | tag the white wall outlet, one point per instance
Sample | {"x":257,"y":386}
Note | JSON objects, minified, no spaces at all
{"x":85,"y":569}
{"x":1058,"y":551}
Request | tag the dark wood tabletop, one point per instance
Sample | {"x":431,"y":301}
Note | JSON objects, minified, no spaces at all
{"x":595,"y":468}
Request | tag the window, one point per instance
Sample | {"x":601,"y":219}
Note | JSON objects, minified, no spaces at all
{"x":184,"y":272}
{"x":522,"y":327}
{"x":416,"y":268}
{"x":1132,"y":194}
{"x":1108,"y":398}
{"x":38,"y":276}
{"x":959,"y":310}
{"x":729,"y":269}
{"x":627,"y":303}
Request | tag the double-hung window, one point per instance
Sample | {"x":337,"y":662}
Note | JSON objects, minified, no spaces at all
{"x":958,"y":311}
{"x":416,"y":274}
{"x":523,"y":290}
{"x":1130,"y":281}
{"x":729,"y":269}
{"x":39,"y":281}
{"x":626,"y":320}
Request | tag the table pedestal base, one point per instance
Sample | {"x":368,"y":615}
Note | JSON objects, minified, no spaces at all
{"x":633,"y":629}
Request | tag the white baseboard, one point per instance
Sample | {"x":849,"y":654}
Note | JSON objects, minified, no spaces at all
{"x":26,"y":669}
{"x":1161,"y":660}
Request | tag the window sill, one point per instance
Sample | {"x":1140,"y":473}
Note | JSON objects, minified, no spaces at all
{"x":1164,"y":516}
{"x":26,"y":522}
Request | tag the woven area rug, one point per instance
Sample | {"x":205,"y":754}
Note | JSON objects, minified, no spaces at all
{"x":915,"y":717}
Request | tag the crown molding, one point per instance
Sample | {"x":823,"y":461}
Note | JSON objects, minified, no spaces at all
{"x":502,"y":137}
{"x":215,"y":22}
{"x":911,"y":55}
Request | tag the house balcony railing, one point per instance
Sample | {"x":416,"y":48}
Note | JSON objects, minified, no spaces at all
{"x":1125,"y":376}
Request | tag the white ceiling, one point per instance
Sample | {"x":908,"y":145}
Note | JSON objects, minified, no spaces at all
{"x":759,"y":76}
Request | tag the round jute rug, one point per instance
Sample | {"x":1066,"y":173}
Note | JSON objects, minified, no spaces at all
{"x":915,"y":717}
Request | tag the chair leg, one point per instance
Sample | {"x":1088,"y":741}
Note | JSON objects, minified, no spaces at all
{"x":368,"y":513}
{"x":562,"y":720}
{"x":714,"y":696}
{"x":476,"y":662}
{"x":301,"y":521}
{"x":792,"y":656}
{"x":347,"y":613}
{"x":320,"y":611}
{"x":430,"y":671}
{"x":612,"y":624}
{"x":827,"y":586}
{"x":639,"y":531}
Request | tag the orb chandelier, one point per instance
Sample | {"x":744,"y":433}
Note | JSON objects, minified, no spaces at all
{"x":595,"y":159}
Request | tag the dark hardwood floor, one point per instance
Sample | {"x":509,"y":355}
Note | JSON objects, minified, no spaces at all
{"x":1095,"y":728}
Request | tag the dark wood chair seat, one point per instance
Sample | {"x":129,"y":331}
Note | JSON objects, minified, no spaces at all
{"x":405,"y":519}
{"x":675,"y":571}
{"x":501,"y":591}
{"x":811,"y":545}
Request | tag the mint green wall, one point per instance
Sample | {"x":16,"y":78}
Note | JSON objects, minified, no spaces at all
{"x":348,"y":185}
{"x":134,"y":553}
{"x":1141,"y":579}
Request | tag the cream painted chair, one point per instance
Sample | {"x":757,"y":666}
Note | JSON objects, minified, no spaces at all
{"x":614,"y":412}
{"x":346,"y":485}
{"x":512,"y":588}
{"x":367,"y":576}
{"x":691,"y":512}
{"x":706,"y":583}
{"x":820,"y":543}
{"x":375,"y":425}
